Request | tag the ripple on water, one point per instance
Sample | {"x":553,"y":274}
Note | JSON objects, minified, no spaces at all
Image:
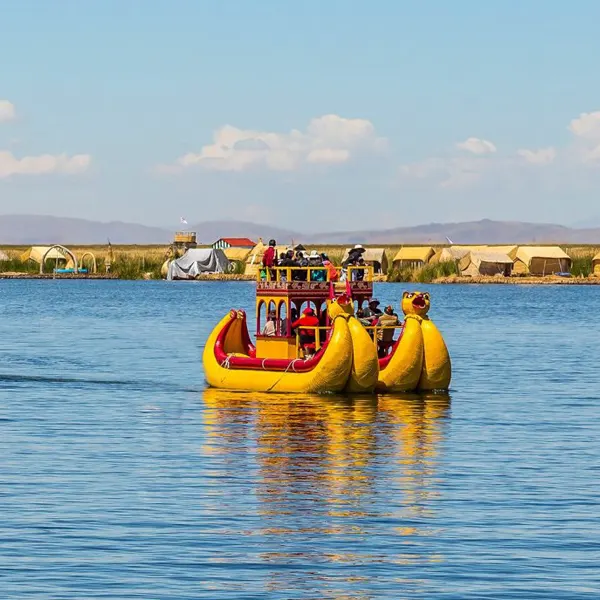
{"x":122,"y":477}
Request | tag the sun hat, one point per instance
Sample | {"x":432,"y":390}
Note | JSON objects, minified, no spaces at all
{"x":359,"y":247}
{"x":374,"y":301}
{"x":314,"y":254}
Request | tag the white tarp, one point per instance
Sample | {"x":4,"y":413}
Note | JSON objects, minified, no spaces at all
{"x":196,"y":261}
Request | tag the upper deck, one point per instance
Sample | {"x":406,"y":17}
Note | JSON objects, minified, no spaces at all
{"x":314,"y":281}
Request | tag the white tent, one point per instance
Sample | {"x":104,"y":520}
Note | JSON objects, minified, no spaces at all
{"x":196,"y":261}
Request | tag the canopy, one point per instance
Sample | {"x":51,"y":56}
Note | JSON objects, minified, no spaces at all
{"x":37,"y":254}
{"x":542,"y":260}
{"x":196,"y":261}
{"x":485,"y":263}
{"x":412,"y":254}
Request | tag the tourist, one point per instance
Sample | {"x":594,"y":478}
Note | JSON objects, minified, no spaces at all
{"x":385,"y":336}
{"x":307,"y":336}
{"x":315,"y":260}
{"x":270,"y":258}
{"x":332,"y":273}
{"x":270,"y":329}
{"x":372,"y":310}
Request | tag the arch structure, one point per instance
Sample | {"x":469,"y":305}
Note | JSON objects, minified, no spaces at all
{"x":93,"y":257}
{"x":61,"y":250}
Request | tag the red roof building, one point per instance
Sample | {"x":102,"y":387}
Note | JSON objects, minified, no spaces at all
{"x":233,"y":242}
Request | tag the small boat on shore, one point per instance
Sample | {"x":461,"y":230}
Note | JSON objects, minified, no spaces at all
{"x":335,"y":354}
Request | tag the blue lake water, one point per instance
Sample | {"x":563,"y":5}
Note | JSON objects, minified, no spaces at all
{"x":122,"y":477}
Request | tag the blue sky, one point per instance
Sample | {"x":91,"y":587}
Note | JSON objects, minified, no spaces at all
{"x":421,"y":111}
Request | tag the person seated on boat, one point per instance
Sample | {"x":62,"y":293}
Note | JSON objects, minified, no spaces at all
{"x":269,"y":259}
{"x":307,"y":336}
{"x":367,"y":323}
{"x":385,"y":336}
{"x":270,"y":328}
{"x":315,"y":260}
{"x":352,"y":261}
{"x":358,"y":274}
{"x":372,"y":309}
{"x":331,"y":270}
{"x":302,"y":260}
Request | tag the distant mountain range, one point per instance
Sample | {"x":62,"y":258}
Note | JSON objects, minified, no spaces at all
{"x":28,"y":229}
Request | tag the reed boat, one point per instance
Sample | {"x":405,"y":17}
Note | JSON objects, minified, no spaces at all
{"x":341,"y":354}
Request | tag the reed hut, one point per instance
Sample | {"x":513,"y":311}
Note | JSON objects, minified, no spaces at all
{"x":596,"y":265}
{"x":541,"y":260}
{"x":486,"y":262}
{"x":413,"y":257}
{"x":452,"y":254}
{"x":40,"y":254}
{"x":374,"y":257}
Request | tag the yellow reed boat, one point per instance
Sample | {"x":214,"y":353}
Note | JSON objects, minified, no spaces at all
{"x":341,"y":355}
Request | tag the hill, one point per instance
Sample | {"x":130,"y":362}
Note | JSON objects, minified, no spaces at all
{"x":33,"y":229}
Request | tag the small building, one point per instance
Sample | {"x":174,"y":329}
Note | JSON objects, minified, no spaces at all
{"x":197,"y":261}
{"x":413,"y":257}
{"x":596,"y":265}
{"x":478,"y":262}
{"x":541,"y":260}
{"x":233,"y":242}
{"x":374,"y":257}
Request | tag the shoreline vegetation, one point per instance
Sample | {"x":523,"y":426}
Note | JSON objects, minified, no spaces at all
{"x":145,"y":262}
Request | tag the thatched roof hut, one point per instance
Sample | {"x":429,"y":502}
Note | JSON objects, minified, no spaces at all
{"x":413,"y":256}
{"x":596,"y":265}
{"x":541,"y":260}
{"x":486,"y":262}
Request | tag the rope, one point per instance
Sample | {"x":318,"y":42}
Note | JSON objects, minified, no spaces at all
{"x":226,"y":364}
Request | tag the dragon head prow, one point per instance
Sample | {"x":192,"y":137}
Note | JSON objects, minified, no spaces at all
{"x":340,"y":306}
{"x":416,"y":303}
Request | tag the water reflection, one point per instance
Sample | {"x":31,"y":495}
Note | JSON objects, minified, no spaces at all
{"x":349,"y":472}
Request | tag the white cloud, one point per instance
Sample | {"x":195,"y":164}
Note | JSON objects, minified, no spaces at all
{"x":42,"y":164}
{"x":449,"y":172}
{"x":587,"y":125}
{"x":7,"y":111}
{"x":543,"y":156}
{"x":477,"y":146}
{"x":328,"y":140}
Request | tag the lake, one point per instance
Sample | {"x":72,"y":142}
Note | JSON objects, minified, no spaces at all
{"x":123,"y":477}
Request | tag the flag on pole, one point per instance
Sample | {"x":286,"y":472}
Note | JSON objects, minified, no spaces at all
{"x":183,"y":221}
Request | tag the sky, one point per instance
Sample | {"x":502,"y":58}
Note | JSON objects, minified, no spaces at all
{"x":314,"y":116}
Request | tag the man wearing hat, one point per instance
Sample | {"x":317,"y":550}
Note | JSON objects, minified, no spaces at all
{"x":307,"y":336}
{"x":372,"y":310}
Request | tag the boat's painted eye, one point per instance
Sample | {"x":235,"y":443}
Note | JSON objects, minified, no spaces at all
{"x":409,"y":294}
{"x":426,"y":296}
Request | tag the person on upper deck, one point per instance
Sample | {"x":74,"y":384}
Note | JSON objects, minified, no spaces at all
{"x":352,"y":261}
{"x":269,"y":259}
{"x":315,"y":260}
{"x":307,"y":336}
{"x":331,"y":270}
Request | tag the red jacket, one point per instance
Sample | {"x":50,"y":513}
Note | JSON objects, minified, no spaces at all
{"x":269,"y":257}
{"x":307,"y":321}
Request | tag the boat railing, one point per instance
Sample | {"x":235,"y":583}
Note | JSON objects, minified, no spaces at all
{"x":316,"y":274}
{"x":383,"y":342}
